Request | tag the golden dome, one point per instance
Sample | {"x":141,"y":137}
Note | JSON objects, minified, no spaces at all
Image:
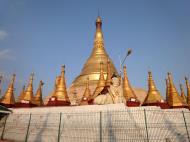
{"x":99,"y":54}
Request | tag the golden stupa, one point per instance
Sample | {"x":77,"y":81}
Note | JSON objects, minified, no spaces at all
{"x":91,"y":67}
{"x":86,"y":95}
{"x":37,"y":100}
{"x":184,"y":98}
{"x":28,"y":95}
{"x":128,"y":91}
{"x":175,"y":99}
{"x":60,"y":87}
{"x":153,"y":95}
{"x":8,"y":98}
{"x":21,"y":96}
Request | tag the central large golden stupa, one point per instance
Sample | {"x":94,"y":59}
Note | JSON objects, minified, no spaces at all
{"x":91,"y":68}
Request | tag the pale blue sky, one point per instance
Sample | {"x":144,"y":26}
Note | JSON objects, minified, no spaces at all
{"x":42,"y":35}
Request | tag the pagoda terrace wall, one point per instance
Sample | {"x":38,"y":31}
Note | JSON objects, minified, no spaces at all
{"x":97,"y":123}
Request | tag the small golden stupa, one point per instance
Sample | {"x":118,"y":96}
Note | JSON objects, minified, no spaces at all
{"x":128,"y":91}
{"x":59,"y":97}
{"x":184,"y":98}
{"x":22,"y":93}
{"x":61,"y":91}
{"x":153,"y":96}
{"x":8,"y":98}
{"x":37,"y":100}
{"x":28,"y":95}
{"x":87,"y":94}
{"x":175,"y":101}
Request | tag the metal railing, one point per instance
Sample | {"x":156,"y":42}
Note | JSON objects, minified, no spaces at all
{"x":110,"y":126}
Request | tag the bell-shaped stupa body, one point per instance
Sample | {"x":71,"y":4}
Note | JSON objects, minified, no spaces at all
{"x":8,"y":98}
{"x":91,"y":67}
{"x":175,"y":99}
{"x":153,"y":95}
{"x":38,"y":97}
{"x":28,"y":95}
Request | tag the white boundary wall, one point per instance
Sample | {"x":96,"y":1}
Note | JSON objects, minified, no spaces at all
{"x":98,"y":123}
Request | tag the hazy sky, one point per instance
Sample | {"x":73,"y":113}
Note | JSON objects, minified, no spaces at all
{"x":41,"y":35}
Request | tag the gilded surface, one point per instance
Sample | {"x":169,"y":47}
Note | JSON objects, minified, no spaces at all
{"x":8,"y":97}
{"x":21,"y":96}
{"x":108,"y":79}
{"x":99,"y":54}
{"x":60,"y":90}
{"x":153,"y":95}
{"x":128,"y":91}
{"x":101,"y":83}
{"x":184,"y":98}
{"x":28,"y":95}
{"x":38,"y":97}
{"x":174,"y":99}
{"x":86,"y":95}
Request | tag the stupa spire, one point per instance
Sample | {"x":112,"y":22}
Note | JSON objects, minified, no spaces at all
{"x":153,"y":95}
{"x":61,"y":92}
{"x":183,"y":94}
{"x":128,"y":91}
{"x":28,"y":95}
{"x":174,"y":100}
{"x":38,"y":97}
{"x":188,"y":91}
{"x":8,"y":98}
{"x":21,"y":96}
{"x":86,"y":95}
{"x":91,"y":67}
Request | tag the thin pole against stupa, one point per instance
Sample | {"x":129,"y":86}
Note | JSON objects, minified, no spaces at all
{"x":1,"y":77}
{"x":129,"y":51}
